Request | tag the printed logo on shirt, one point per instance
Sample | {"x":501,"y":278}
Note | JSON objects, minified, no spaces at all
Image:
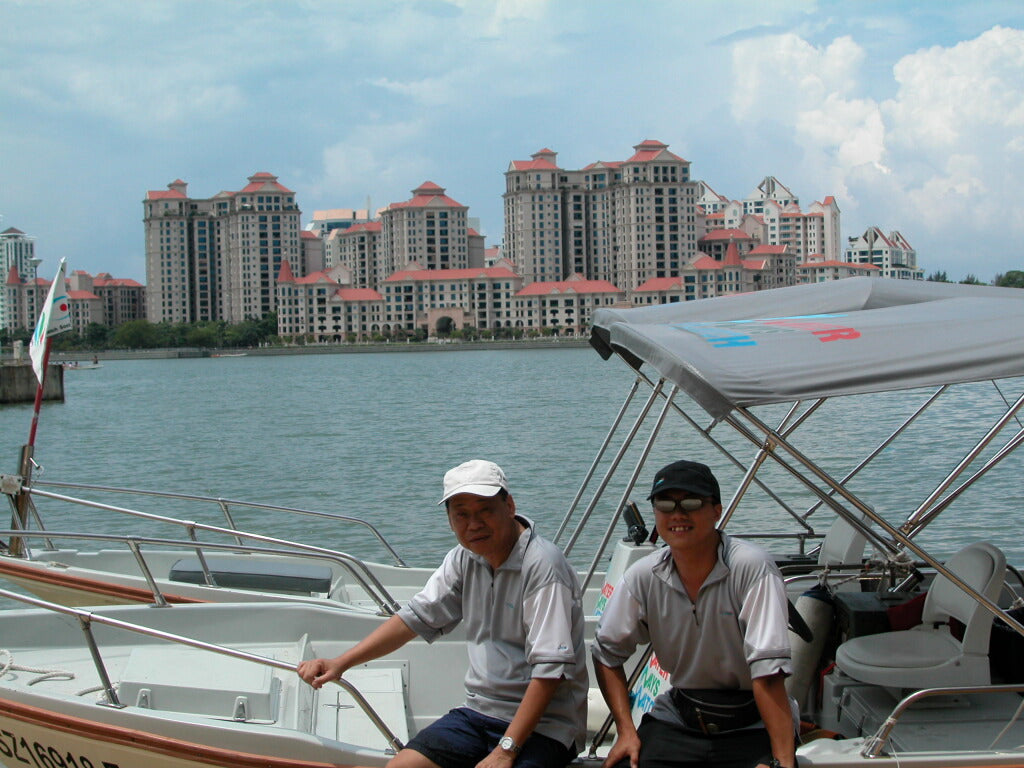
{"x":563,"y":647}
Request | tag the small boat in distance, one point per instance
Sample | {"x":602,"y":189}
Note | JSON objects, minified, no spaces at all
{"x":229,"y":354}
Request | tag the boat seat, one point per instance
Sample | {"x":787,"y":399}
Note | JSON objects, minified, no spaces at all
{"x":843,"y":544}
{"x":258,"y":575}
{"x":929,"y":655}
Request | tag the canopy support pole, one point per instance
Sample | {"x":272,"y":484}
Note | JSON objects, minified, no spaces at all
{"x":597,"y":460}
{"x":897,"y":535}
{"x":632,"y":482}
{"x":611,"y":470}
{"x":983,"y":443}
{"x":883,"y":445}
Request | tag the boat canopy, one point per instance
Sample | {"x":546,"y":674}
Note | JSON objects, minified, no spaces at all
{"x":852,"y":336}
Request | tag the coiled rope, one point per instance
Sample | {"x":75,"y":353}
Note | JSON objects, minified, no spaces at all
{"x":44,"y":674}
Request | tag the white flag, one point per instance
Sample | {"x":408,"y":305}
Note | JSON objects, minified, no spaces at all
{"x":54,"y":318}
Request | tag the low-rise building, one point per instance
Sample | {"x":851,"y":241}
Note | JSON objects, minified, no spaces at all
{"x":102,"y":299}
{"x":564,"y":305}
{"x":440,"y":300}
{"x":818,"y":269}
{"x":759,"y":268}
{"x":323,"y":308}
{"x":891,"y":253}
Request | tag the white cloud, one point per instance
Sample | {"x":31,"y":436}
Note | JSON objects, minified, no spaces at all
{"x":950,"y":97}
{"x":385,"y":161}
{"x":781,"y":74}
{"x":937,"y":160}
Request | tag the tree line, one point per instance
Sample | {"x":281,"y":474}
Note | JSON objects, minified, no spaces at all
{"x":141,"y":334}
{"x":1012,"y":279}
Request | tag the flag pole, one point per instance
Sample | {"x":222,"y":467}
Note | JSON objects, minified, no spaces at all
{"x":16,"y":545}
{"x":39,"y":351}
{"x":39,"y":396}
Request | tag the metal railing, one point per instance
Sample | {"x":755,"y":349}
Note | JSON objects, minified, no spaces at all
{"x":873,"y":746}
{"x":225,"y":506}
{"x":376,"y":591}
{"x":87,"y":618}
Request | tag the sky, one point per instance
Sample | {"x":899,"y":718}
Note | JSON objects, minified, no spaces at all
{"x":911,"y":114}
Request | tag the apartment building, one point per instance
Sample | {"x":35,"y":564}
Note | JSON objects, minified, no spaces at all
{"x":325,"y":222}
{"x":18,"y":253}
{"x":440,"y":300}
{"x":818,"y":269}
{"x":358,"y":249}
{"x":122,"y":299}
{"x":101,"y":299}
{"x":323,"y":307}
{"x":564,"y":305}
{"x":430,"y":229}
{"x":620,"y":221}
{"x":891,"y":253}
{"x":217,"y":258}
{"x":744,"y":267}
{"x":771,"y":214}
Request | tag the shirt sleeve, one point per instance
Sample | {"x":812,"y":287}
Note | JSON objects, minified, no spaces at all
{"x":765,"y":618}
{"x":437,"y":609}
{"x":623,"y":626}
{"x":547,"y":613}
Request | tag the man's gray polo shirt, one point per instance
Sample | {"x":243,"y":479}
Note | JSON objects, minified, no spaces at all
{"x":523,"y":620}
{"x":737,"y":629}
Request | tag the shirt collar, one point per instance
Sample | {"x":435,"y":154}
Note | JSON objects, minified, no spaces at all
{"x":665,"y":568}
{"x":514,"y":561}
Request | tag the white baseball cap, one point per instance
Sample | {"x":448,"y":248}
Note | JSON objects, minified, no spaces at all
{"x":478,"y":477}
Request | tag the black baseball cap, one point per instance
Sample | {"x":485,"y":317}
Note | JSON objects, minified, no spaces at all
{"x":686,"y":476}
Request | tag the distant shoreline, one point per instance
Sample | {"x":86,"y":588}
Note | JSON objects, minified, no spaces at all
{"x":313,"y":349}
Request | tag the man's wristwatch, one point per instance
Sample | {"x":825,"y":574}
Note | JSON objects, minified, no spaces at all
{"x":508,"y":744}
{"x":774,"y":763}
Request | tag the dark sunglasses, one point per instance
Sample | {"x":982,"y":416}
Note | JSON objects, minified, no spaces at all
{"x":670,"y":505}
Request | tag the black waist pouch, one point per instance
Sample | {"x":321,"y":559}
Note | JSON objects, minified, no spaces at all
{"x":711,"y":710}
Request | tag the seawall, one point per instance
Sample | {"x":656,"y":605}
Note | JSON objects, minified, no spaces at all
{"x":321,"y":349}
{"x":18,"y":383}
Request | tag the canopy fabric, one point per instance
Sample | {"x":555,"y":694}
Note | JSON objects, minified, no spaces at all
{"x":851,"y":336}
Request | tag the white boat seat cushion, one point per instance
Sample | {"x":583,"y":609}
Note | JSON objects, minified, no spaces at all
{"x":910,"y":649}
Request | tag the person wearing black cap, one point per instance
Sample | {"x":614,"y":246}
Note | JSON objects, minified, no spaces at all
{"x":714,"y":609}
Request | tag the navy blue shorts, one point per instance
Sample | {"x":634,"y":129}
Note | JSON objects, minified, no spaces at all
{"x":462,"y":738}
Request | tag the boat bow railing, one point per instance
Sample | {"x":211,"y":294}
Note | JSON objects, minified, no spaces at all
{"x":386,"y":604}
{"x":225,"y":506}
{"x":87,"y":618}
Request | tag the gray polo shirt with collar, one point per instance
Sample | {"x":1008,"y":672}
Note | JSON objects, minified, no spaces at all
{"x":737,"y":629}
{"x":523,"y":620}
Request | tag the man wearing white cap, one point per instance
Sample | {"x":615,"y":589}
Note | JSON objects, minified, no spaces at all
{"x":519,"y":598}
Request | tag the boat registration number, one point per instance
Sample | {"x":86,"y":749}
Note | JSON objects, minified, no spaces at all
{"x":18,"y":748}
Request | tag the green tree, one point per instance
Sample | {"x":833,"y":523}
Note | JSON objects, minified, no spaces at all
{"x":97,"y":336}
{"x":1012,"y":279}
{"x":971,"y":279}
{"x":203,"y":335}
{"x":137,"y":334}
{"x":938,"y":277}
{"x":245,"y":334}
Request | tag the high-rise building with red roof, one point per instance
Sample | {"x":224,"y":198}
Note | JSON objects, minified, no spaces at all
{"x":624,"y":221}
{"x":218,"y":258}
